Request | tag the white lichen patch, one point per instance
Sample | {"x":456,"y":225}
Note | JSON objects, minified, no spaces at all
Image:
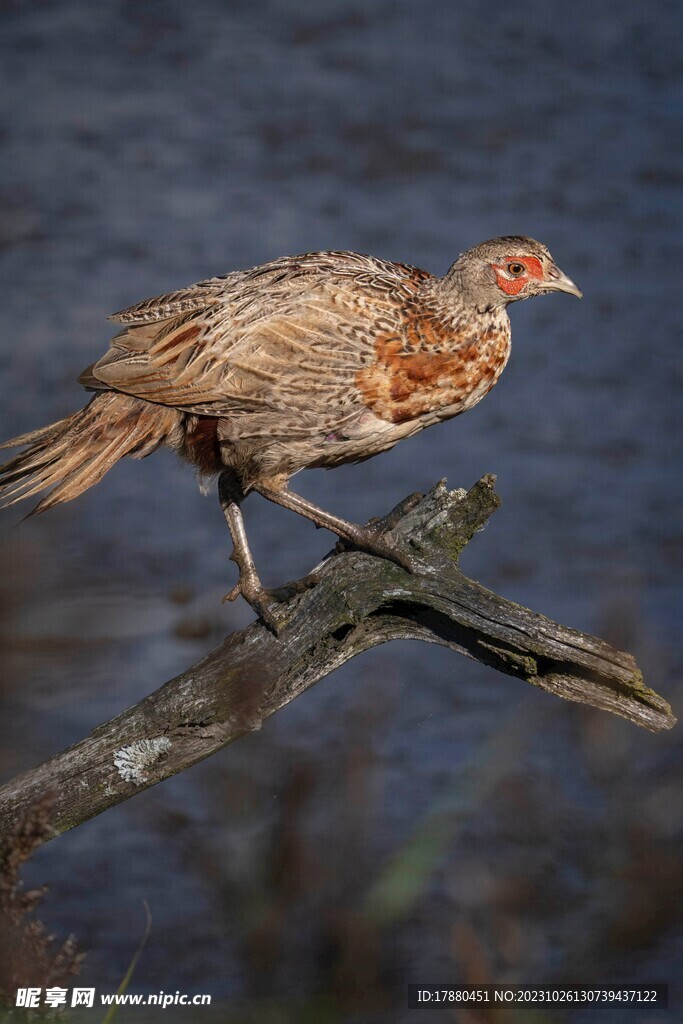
{"x":134,"y":761}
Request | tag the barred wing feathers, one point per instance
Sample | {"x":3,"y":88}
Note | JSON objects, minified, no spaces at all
{"x":281,"y":336}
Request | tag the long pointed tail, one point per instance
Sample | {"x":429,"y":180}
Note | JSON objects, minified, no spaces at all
{"x":76,"y":452}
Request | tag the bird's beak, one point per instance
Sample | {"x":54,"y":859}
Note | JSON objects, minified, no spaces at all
{"x":556,"y":281}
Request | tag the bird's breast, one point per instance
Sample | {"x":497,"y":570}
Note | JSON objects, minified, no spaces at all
{"x":432,"y":370}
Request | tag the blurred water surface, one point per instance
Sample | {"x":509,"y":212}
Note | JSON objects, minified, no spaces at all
{"x":415,"y":818}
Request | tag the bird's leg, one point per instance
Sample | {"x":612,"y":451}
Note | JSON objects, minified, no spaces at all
{"x":248,"y":585}
{"x":363,"y":537}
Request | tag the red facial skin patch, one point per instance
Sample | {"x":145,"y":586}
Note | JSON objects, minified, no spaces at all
{"x":534,"y":269}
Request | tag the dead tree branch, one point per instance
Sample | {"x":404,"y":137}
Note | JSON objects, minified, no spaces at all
{"x":357,"y":603}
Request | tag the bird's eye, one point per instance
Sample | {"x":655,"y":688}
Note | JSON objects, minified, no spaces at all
{"x":516,"y":269}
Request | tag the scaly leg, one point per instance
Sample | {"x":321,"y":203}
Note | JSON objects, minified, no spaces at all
{"x":248,"y":585}
{"x":363,"y":537}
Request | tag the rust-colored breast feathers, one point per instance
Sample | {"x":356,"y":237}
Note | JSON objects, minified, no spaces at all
{"x":431,"y":364}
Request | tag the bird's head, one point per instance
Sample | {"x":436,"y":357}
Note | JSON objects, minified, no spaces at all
{"x":504,"y":270}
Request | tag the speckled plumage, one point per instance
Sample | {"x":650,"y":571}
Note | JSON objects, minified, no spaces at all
{"x":307,"y":361}
{"x":313,"y":360}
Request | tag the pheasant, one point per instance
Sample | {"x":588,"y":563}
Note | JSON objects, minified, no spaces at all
{"x":307,"y":361}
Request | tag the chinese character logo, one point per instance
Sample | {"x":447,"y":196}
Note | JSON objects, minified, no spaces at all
{"x":28,"y":997}
{"x":82,"y":996}
{"x":55,"y":997}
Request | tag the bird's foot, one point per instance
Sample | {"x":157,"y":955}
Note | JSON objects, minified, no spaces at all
{"x":371,"y":539}
{"x":386,"y":547}
{"x":260,"y":599}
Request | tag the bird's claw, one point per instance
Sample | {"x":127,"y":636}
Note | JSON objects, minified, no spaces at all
{"x":375,"y":542}
{"x":260,"y":600}
{"x":384,"y":547}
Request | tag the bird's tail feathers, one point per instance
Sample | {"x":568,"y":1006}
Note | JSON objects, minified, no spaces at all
{"x":73,"y":454}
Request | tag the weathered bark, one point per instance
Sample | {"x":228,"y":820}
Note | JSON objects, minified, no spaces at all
{"x":358,"y":602}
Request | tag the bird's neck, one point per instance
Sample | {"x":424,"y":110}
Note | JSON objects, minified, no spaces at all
{"x":452,"y":303}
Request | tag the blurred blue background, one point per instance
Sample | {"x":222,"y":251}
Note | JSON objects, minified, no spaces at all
{"x":415,"y":818}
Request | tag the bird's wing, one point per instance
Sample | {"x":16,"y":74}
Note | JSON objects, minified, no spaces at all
{"x":282,"y":336}
{"x":238,"y":285}
{"x":163,"y":307}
